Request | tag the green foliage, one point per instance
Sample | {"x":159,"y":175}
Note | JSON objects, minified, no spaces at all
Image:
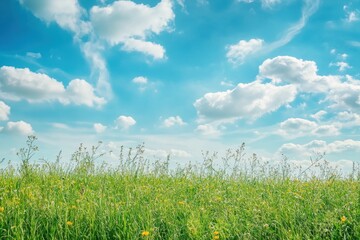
{"x":243,"y":198}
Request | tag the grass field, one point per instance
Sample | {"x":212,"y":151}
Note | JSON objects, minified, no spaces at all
{"x":143,"y":200}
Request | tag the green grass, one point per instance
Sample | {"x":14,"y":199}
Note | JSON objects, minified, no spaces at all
{"x":137,"y":198}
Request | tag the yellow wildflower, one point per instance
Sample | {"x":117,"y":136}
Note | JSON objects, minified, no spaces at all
{"x":343,"y":219}
{"x":216,"y":237}
{"x":182,"y":203}
{"x":216,"y":233}
{"x":145,"y":233}
{"x":69,"y":223}
{"x":2,"y":209}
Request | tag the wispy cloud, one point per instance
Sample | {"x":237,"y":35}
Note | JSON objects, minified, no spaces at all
{"x":309,"y":8}
{"x":237,"y":53}
{"x":121,"y":22}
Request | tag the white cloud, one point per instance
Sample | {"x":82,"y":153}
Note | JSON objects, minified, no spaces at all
{"x":66,"y":13}
{"x":227,"y":84}
{"x":81,"y":92}
{"x":270,"y":3}
{"x":18,"y":128}
{"x":246,"y":1}
{"x":348,"y":119}
{"x":296,"y":127}
{"x":128,"y":23}
{"x":209,"y":130}
{"x":124,"y":122}
{"x":301,"y":73}
{"x":289,"y":76}
{"x":343,"y":56}
{"x":143,"y":83}
{"x":181,"y":3}
{"x":152,"y":49}
{"x":326,"y":130}
{"x":319,"y":146}
{"x":33,"y":55}
{"x":293,"y":125}
{"x":345,"y":96}
{"x":140,"y":80}
{"x":351,"y":15}
{"x":309,"y":8}
{"x":341,"y":65}
{"x":173,"y":121}
{"x":21,"y":83}
{"x":99,"y":128}
{"x":264,"y":3}
{"x":245,"y":101}
{"x":162,"y":154}
{"x":244,"y":49}
{"x":60,"y":126}
{"x":93,"y":53}
{"x":354,"y":43}
{"x":238,"y":52}
{"x":4,"y":111}
{"x":342,"y":146}
{"x":319,"y":115}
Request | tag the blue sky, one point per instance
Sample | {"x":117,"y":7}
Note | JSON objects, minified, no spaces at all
{"x":182,"y":76}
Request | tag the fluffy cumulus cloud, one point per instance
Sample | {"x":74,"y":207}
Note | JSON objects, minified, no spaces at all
{"x":173,"y":121}
{"x":238,"y":52}
{"x":66,"y":13}
{"x":21,"y":83}
{"x":320,"y":146}
{"x":245,"y":101}
{"x":124,"y":122}
{"x":120,"y":22}
{"x":128,"y":23}
{"x":348,"y":119}
{"x":301,"y":73}
{"x":143,"y":83}
{"x":4,"y":111}
{"x":319,"y":115}
{"x":342,"y":66}
{"x":345,"y":96}
{"x":81,"y":92}
{"x":140,"y":80}
{"x":295,"y":127}
{"x":352,"y":15}
{"x":279,"y":82}
{"x":285,"y":70}
{"x":148,"y":48}
{"x":18,"y":128}
{"x":99,"y":128}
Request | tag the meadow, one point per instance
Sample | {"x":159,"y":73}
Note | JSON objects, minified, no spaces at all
{"x":241,"y":198}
